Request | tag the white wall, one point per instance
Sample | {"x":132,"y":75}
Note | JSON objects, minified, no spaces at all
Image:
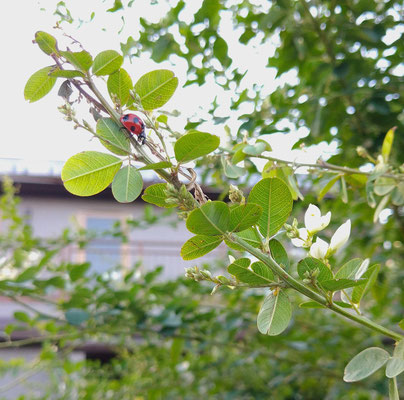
{"x":158,"y":244}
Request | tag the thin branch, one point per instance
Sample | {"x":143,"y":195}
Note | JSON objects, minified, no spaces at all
{"x":79,"y":88}
{"x":38,"y":339}
{"x":34,"y":310}
{"x":332,"y":167}
{"x":295,"y":284}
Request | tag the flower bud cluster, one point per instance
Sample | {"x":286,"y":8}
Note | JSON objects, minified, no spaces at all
{"x":236,"y":196}
{"x":292,"y":230}
{"x":136,"y":98}
{"x":204,"y":275}
{"x":310,"y":277}
{"x":179,"y":197}
{"x":68,"y":111}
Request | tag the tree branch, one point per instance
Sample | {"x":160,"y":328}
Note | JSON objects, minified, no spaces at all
{"x":295,"y":284}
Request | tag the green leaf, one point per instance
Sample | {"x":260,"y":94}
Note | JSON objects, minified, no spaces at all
{"x":158,"y":165}
{"x":365,"y":364}
{"x":344,"y":191}
{"x":199,"y":245}
{"x":22,"y":316}
{"x":81,"y":60}
{"x":76,"y":316}
{"x":220,"y":51}
{"x":28,"y":274}
{"x":310,"y":264}
{"x":370,"y":277}
{"x":294,"y":188}
{"x":339,"y":284}
{"x":311,"y":304}
{"x":230,"y":170}
{"x":387,"y":144}
{"x":117,"y":6}
{"x":107,"y":62}
{"x":260,"y":275}
{"x":370,"y":196}
{"x":249,"y":235}
{"x":356,"y":180}
{"x":370,"y":186}
{"x":66,"y":73}
{"x":275,"y":313}
{"x":244,"y":216}
{"x":397,"y":197}
{"x":89,"y":172}
{"x":155,"y":88}
{"x":46,"y":42}
{"x":279,"y":254}
{"x":155,"y":194}
{"x":342,"y":304}
{"x":238,"y":155}
{"x":276,"y":201}
{"x":349,"y":269}
{"x":263,"y":270}
{"x":327,"y":187}
{"x":399,"y":350}
{"x":255,"y":149}
{"x":77,"y":271}
{"x":401,"y":324}
{"x":195,"y":144}
{"x":395,"y":366}
{"x":9,"y":329}
{"x":119,"y":84}
{"x":39,"y":84}
{"x":127,"y":184}
{"x":384,"y":185}
{"x":162,"y":118}
{"x":269,"y":170}
{"x":115,"y":139}
{"x":212,"y":218}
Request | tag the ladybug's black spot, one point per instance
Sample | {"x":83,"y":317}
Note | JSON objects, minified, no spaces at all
{"x":136,"y":120}
{"x":125,"y":117}
{"x":132,"y":128}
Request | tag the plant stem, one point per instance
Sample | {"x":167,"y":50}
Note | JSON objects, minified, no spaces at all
{"x":144,"y":157}
{"x":39,"y":339}
{"x":78,"y":86}
{"x":295,"y":284}
{"x":331,"y":167}
{"x":34,"y":310}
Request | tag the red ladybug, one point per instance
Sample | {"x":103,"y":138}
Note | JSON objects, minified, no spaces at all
{"x":134,"y":125}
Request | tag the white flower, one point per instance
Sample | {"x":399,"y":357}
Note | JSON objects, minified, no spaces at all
{"x":319,"y":249}
{"x":301,"y":241}
{"x":314,"y":221}
{"x":340,"y":236}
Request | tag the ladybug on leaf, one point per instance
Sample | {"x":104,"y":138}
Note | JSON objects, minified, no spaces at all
{"x":134,"y":125}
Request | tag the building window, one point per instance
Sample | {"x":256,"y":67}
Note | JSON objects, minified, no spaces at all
{"x":105,"y":251}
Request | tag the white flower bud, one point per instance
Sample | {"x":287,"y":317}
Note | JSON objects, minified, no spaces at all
{"x":301,"y":241}
{"x":340,"y":236}
{"x":314,"y":221}
{"x":319,"y":249}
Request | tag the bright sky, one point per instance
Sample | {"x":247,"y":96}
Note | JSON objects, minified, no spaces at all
{"x":37,"y":132}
